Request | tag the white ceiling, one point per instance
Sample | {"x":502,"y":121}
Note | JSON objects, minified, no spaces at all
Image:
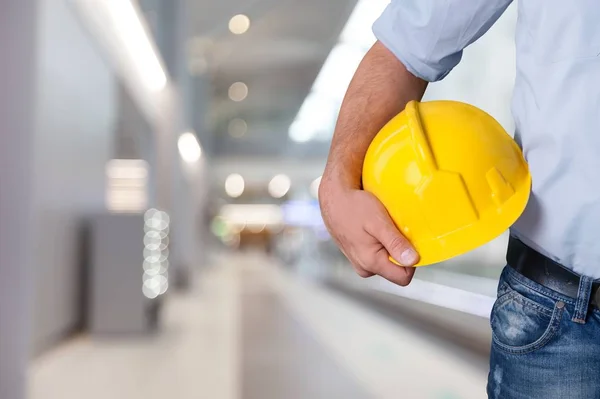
{"x":278,"y":58}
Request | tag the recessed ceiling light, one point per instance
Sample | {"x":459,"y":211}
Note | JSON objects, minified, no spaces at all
{"x":234,"y":185}
{"x":189,"y":148}
{"x":239,"y":24}
{"x":237,"y":127}
{"x":238,"y":91}
{"x":279,"y":186}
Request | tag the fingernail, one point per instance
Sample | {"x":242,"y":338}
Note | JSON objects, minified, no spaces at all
{"x":408,"y":257}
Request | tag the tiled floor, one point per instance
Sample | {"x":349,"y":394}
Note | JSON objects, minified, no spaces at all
{"x":250,"y":330}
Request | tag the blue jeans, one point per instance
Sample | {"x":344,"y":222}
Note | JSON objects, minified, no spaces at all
{"x":545,"y":345}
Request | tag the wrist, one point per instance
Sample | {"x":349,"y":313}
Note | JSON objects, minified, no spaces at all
{"x":337,"y":181}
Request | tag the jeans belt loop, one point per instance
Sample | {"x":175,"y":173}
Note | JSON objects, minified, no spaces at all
{"x":583,"y":300}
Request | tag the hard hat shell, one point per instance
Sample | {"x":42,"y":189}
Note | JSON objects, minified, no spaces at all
{"x":449,"y":175}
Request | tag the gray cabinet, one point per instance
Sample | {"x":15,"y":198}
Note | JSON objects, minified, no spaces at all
{"x":128,"y":274}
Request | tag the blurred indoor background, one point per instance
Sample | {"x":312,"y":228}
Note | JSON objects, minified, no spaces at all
{"x":160,"y":235}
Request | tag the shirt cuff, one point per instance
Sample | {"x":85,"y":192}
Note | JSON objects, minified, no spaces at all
{"x":400,"y":45}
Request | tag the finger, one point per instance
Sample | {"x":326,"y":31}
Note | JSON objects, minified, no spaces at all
{"x":390,"y":271}
{"x":355,"y":264}
{"x":394,"y":242}
{"x":363,"y":273}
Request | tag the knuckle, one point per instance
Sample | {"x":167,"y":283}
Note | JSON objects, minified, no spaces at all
{"x":398,"y":243}
{"x":376,"y":267}
{"x":350,"y":254}
{"x":362,"y":272}
{"x":368,"y":262}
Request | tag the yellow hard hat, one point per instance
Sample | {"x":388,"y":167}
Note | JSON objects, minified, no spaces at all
{"x":449,"y":175}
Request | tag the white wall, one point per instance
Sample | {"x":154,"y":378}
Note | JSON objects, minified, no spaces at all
{"x":74,"y":134}
{"x":17,"y":45}
{"x":188,"y":243}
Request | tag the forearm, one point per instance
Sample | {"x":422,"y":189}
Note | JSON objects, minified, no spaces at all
{"x":379,"y":90}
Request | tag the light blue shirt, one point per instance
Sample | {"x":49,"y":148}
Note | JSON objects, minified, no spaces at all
{"x":556,"y":104}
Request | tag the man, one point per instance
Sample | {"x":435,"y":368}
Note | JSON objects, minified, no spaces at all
{"x":546,"y":320}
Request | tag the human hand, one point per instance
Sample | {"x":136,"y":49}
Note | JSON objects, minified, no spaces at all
{"x":366,"y":234}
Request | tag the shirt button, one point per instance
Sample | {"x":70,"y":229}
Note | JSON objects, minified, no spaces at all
{"x":560,"y":304}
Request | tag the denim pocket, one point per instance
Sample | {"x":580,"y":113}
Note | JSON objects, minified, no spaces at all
{"x":520,"y":324}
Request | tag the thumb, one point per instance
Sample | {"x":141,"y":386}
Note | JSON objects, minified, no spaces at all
{"x":394,"y":242}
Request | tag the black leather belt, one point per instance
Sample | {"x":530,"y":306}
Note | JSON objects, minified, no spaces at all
{"x":546,"y":272}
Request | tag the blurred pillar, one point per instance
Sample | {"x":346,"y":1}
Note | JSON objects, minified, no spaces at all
{"x":170,"y":24}
{"x":199,"y":103}
{"x":187,"y":176}
{"x":192,"y":89}
{"x":17,"y":105}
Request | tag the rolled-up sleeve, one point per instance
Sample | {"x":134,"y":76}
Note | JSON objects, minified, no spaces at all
{"x":429,"y":36}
